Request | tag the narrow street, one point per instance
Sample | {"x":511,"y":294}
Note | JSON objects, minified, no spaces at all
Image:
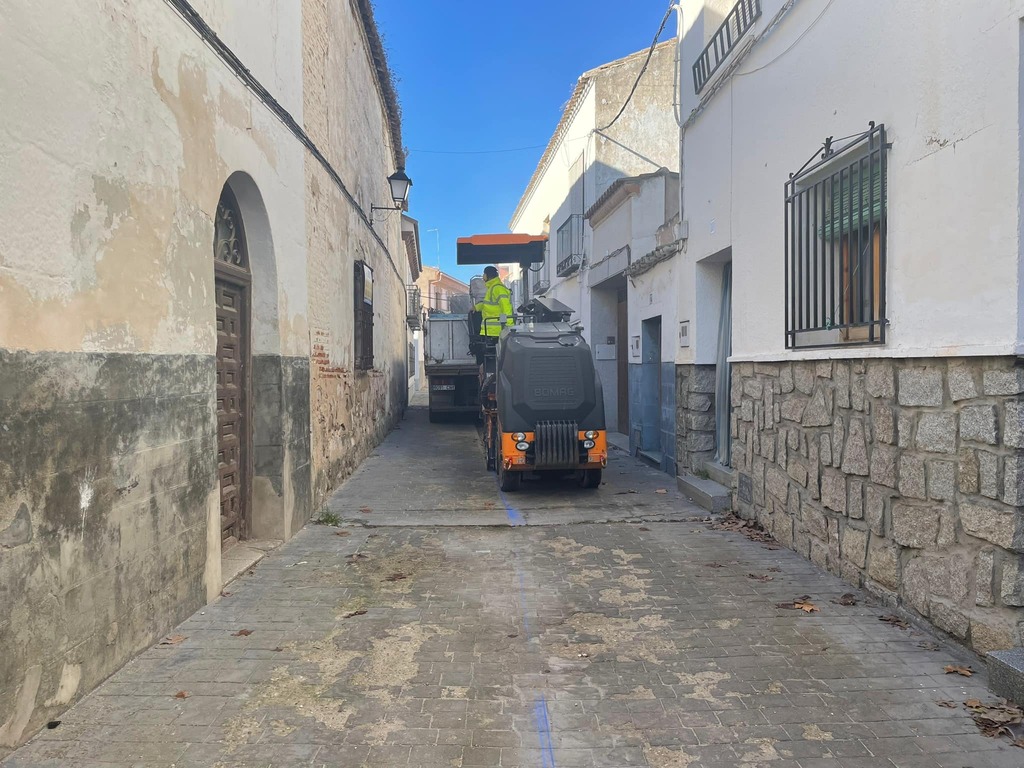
{"x":441,"y":624}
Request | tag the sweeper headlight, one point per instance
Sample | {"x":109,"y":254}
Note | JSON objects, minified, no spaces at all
{"x":522,"y":446}
{"x":590,"y":435}
{"x":588,"y":444}
{"x":519,"y":437}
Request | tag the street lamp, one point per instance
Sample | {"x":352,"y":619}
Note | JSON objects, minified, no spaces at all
{"x":399,"y":184}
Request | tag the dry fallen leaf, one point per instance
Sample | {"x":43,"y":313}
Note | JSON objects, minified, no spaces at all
{"x":773,"y":569}
{"x":278,"y":649}
{"x":895,"y":621}
{"x":662,"y":490}
{"x":365,"y":510}
{"x":928,"y":645}
{"x":395,"y":577}
{"x":242,"y":633}
{"x":173,"y":639}
{"x":972,"y":703}
{"x":755,"y":577}
{"x":946,"y":704}
{"x":350,"y":614}
{"x":342,"y":533}
{"x":806,"y":607}
{"x":954,"y":669}
{"x":181,"y":695}
{"x":713,"y":565}
{"x":226,"y":594}
{"x":848,"y":599}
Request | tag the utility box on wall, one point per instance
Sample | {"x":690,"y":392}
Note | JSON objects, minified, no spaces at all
{"x":684,"y":333}
{"x":604,"y":351}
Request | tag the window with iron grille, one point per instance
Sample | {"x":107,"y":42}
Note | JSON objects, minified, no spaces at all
{"x":363,"y":316}
{"x":570,"y":245}
{"x":835,"y":245}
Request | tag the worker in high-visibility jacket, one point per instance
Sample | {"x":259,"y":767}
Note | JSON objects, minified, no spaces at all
{"x":496,"y":308}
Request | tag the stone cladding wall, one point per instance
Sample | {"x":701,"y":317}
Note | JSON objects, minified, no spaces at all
{"x":904,"y":476}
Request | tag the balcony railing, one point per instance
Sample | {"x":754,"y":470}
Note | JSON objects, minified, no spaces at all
{"x":570,"y":245}
{"x":740,"y":19}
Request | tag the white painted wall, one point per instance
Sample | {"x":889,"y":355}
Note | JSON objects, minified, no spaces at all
{"x":953,"y":277}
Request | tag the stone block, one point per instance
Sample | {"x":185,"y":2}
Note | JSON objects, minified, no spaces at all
{"x":978,"y":423}
{"x":916,"y":527}
{"x":959,"y":577}
{"x":833,"y":490}
{"x":1013,"y":480}
{"x":884,"y":563}
{"x":838,"y":441}
{"x":967,"y":472}
{"x":701,"y":422}
{"x":998,"y":525}
{"x":753,"y":388}
{"x":936,"y":432}
{"x":880,"y":379}
{"x":818,"y":412}
{"x":883,"y":465}
{"x":912,"y":476}
{"x":883,"y":424}
{"x":803,"y":376}
{"x":941,"y":480}
{"x":819,"y":553}
{"x":858,"y":394}
{"x":1006,"y":674}
{"x":766,"y":369}
{"x":699,"y":403}
{"x":1010,"y":382}
{"x":963,"y":384}
{"x":905,"y":423}
{"x":854,"y":546}
{"x":776,"y":483}
{"x":735,"y":391}
{"x":916,"y":587}
{"x":920,"y":387}
{"x":823,"y":369}
{"x":984,"y":578}
{"x":814,"y":522}
{"x":951,"y":619}
{"x":702,"y":379}
{"x":793,"y":408}
{"x":841,"y":385}
{"x":874,"y":509}
{"x":989,"y":474}
{"x":798,"y":472}
{"x":1013,"y":424}
{"x":786,"y":384}
{"x":987,"y":636}
{"x":855,"y":505}
{"x":825,"y":448}
{"x":747,"y":410}
{"x":1011,"y":590}
{"x":855,"y":456}
{"x":851,"y":574}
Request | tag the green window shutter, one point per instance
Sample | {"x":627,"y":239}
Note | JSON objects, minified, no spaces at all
{"x":856,"y":200}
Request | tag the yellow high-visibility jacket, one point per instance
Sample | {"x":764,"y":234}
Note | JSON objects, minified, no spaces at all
{"x":497,"y":303}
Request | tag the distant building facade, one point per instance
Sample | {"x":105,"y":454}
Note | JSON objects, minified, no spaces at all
{"x":605,"y":192}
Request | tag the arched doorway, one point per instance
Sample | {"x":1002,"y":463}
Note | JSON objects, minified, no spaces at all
{"x":233,"y":286}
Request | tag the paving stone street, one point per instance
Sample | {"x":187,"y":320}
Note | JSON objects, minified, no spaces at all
{"x":441,"y":623}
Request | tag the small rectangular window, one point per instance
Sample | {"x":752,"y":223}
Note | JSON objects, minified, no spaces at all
{"x":363,"y":318}
{"x":835,"y":245}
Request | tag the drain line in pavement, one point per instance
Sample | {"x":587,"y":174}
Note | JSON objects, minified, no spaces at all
{"x":541,"y":717}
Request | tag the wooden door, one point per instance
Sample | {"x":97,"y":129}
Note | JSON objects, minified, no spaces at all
{"x":232,"y":407}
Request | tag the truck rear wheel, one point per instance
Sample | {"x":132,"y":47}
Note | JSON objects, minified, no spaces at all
{"x":590,"y":478}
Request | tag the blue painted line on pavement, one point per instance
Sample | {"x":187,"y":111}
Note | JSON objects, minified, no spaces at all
{"x":543,"y":723}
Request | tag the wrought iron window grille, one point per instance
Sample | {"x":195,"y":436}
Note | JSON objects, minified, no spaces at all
{"x":363,"y":301}
{"x":414,"y":307}
{"x":570,"y":245}
{"x":740,"y":19}
{"x":835,"y":244}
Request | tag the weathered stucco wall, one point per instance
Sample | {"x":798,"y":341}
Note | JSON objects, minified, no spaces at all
{"x":351,"y":410}
{"x":109,"y":495}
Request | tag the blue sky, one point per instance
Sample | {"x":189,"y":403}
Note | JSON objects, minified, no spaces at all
{"x":476,"y":76}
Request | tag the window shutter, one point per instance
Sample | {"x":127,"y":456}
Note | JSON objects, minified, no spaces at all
{"x":856,"y":200}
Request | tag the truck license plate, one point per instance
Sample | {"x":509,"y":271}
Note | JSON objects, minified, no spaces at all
{"x":443,"y":387}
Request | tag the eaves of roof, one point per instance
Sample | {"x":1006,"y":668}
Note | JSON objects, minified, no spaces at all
{"x":618,"y":186}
